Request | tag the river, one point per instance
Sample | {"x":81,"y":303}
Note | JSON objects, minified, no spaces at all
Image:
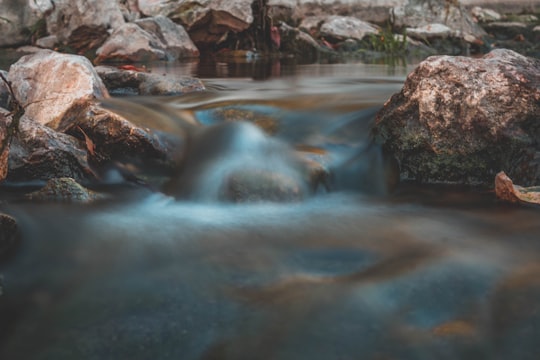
{"x":363,"y":271}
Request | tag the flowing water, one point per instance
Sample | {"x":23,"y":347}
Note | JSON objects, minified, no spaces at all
{"x":362,"y":271}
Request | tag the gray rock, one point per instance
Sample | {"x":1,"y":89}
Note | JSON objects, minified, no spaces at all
{"x":38,"y":152}
{"x":71,"y":16}
{"x":462,"y":120}
{"x":300,"y":43}
{"x":346,"y":27}
{"x":48,"y":83}
{"x":176,"y":40}
{"x":206,"y":20}
{"x":64,"y":190}
{"x":130,"y":10}
{"x":47,"y":42}
{"x":484,"y":15}
{"x":130,"y":82}
{"x":19,"y":18}
{"x":430,"y":31}
{"x":147,"y":39}
{"x":419,"y":13}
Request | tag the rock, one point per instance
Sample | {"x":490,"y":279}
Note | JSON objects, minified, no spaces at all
{"x":430,"y":31}
{"x":47,"y":42}
{"x":293,"y":11}
{"x":301,"y":44}
{"x":176,"y":40}
{"x":10,"y":238}
{"x":38,"y":152}
{"x":507,"y":191}
{"x":462,"y":120}
{"x":506,"y":30}
{"x":147,"y":40}
{"x":506,"y":6}
{"x":5,"y":122}
{"x":130,"y":82}
{"x":115,"y":139}
{"x":48,"y":83}
{"x":483,"y":15}
{"x":64,"y":189}
{"x":254,"y":185}
{"x":346,"y":27}
{"x":207,"y":21}
{"x":130,"y":10}
{"x":73,"y":21}
{"x":419,"y":13}
{"x":20,"y":19}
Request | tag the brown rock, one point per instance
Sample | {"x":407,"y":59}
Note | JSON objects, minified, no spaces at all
{"x":462,"y":120}
{"x":48,"y":83}
{"x":64,"y":190}
{"x":5,"y":121}
{"x":18,"y":18}
{"x":38,"y":152}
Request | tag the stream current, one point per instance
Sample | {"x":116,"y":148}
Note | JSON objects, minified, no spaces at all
{"x":359,"y":272}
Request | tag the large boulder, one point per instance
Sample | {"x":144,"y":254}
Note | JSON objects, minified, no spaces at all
{"x":462,"y":120}
{"x":206,"y":20}
{"x":81,"y":21}
{"x":48,"y":83}
{"x":147,"y":39}
{"x":20,"y":18}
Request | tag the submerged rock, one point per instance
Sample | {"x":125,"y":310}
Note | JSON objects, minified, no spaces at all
{"x":48,"y":83}
{"x":9,"y":238}
{"x":462,"y":120}
{"x":64,"y":190}
{"x":131,"y":82}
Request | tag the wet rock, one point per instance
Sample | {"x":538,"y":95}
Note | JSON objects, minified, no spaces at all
{"x":130,"y":82}
{"x":20,"y":19}
{"x":176,"y":40}
{"x":64,"y":189}
{"x":115,"y":139}
{"x":37,"y":152}
{"x":48,"y":83}
{"x":507,"y":191}
{"x":206,"y":21}
{"x":254,"y":185}
{"x":419,"y":13}
{"x":83,"y":24}
{"x":462,"y":120}
{"x":9,"y":238}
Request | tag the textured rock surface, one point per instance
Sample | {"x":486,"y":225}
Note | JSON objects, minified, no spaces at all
{"x":462,"y":120}
{"x":64,"y":190}
{"x":40,"y":153}
{"x":48,"y":83}
{"x":129,"y":82}
{"x":71,"y":16}
{"x":19,"y":17}
{"x":148,"y":39}
{"x":206,"y":20}
{"x":346,"y":27}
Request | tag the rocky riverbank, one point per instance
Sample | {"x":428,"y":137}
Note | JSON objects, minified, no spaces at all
{"x":244,"y":30}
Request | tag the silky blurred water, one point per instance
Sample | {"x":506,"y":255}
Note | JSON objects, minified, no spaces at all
{"x":361,"y":272}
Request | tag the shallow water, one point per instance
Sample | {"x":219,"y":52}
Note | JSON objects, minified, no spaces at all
{"x":415,"y":272}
